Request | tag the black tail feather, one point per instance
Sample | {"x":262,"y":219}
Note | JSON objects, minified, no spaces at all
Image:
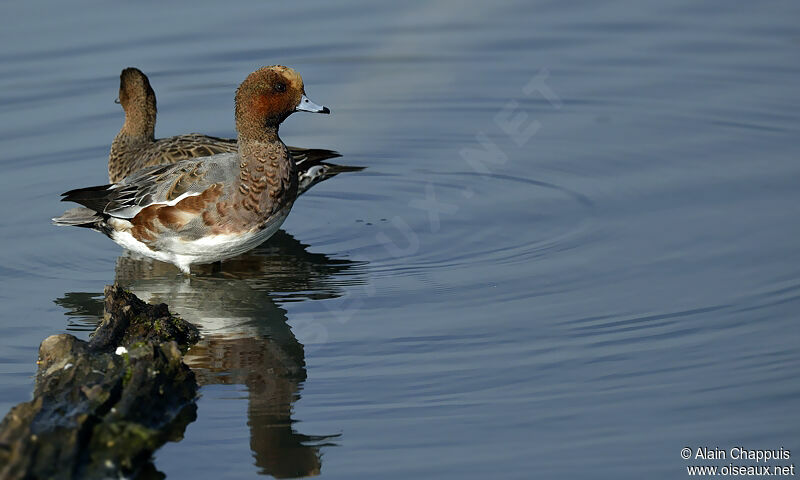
{"x":306,"y":158}
{"x":94,"y":198}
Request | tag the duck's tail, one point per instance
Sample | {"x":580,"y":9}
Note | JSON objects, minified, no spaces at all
{"x":311,"y":156}
{"x":82,"y":217}
{"x":312,"y":175}
{"x":93,"y":198}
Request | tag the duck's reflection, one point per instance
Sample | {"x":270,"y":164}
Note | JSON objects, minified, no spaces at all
{"x":246,"y":338}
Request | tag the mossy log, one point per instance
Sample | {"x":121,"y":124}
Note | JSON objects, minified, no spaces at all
{"x":101,"y":408}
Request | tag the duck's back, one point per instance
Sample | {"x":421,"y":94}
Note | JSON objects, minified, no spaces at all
{"x":128,"y":156}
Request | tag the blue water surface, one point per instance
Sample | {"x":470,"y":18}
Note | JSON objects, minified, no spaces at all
{"x":573,"y":252}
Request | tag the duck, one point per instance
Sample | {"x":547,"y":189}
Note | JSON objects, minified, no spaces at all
{"x":207,"y":209}
{"x":135,"y":146}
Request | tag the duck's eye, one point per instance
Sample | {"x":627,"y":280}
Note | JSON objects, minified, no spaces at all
{"x":280,"y":87}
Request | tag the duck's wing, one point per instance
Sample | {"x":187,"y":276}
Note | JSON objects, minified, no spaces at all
{"x":158,"y":185}
{"x":311,"y":166}
{"x":193,"y":145}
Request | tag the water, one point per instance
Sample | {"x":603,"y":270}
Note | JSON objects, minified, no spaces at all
{"x":620,"y":282}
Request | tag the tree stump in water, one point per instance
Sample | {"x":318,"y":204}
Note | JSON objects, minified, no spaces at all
{"x":101,"y":408}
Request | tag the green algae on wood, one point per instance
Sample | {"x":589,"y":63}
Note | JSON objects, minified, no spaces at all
{"x":97,"y":414}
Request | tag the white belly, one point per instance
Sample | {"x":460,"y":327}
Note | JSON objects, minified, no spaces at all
{"x":183,"y":253}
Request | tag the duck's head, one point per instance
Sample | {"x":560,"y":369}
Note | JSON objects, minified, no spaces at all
{"x":138,"y":99}
{"x":269,"y":95}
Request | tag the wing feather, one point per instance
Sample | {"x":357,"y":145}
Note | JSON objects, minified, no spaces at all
{"x":168,"y":184}
{"x":159,"y":184}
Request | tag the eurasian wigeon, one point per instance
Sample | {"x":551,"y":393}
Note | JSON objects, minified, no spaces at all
{"x":211,"y":208}
{"x":136,"y":147}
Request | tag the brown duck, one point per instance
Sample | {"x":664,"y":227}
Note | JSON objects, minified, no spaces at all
{"x":211,"y":208}
{"x":135,"y":146}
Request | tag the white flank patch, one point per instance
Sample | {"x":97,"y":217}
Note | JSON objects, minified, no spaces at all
{"x":313,"y":171}
{"x":131,"y":211}
{"x":174,"y":202}
{"x":121,"y":350}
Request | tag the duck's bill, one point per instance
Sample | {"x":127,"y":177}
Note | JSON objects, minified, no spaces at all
{"x":307,"y":105}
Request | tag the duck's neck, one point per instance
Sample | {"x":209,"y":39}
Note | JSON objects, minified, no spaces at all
{"x":139,"y":129}
{"x":140,"y":124}
{"x":267,"y":174}
{"x":137,"y":133}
